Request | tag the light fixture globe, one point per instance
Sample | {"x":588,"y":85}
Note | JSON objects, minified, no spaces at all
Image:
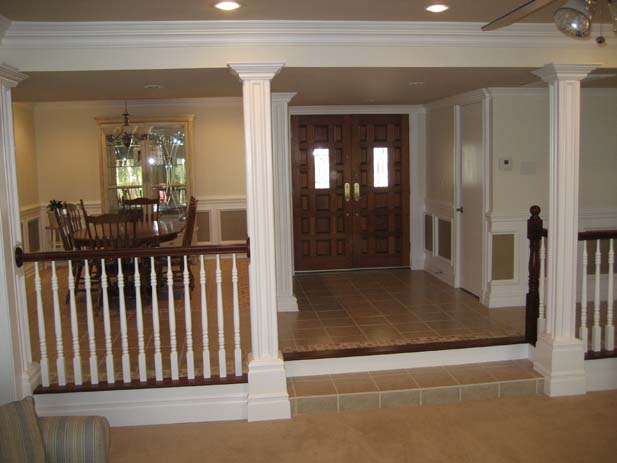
{"x":574,"y":18}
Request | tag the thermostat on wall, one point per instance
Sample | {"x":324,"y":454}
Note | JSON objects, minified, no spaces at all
{"x":505,"y":164}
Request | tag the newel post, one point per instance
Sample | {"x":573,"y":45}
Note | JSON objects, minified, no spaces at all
{"x":559,"y":355}
{"x":267,"y":396}
{"x":534,"y":235}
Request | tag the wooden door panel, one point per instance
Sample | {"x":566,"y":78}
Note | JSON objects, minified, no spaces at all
{"x":381,"y":214}
{"x":331,"y":232}
{"x":321,"y":219}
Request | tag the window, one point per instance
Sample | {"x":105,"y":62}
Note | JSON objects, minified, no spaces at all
{"x":380,"y":167}
{"x":153,"y":162}
{"x":321,"y":159}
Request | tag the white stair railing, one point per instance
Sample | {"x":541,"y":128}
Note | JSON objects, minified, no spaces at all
{"x":100,"y":292}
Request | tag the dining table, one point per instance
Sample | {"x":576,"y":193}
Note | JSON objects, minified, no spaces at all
{"x":147,"y":234}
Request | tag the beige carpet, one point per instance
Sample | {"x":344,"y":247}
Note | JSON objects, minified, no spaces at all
{"x":533,"y":429}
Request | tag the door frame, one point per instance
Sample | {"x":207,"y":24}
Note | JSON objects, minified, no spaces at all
{"x":484,"y":97}
{"x":417,"y":165}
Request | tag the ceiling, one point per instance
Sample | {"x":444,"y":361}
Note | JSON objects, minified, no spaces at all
{"x":165,"y":10}
{"x":315,"y":86}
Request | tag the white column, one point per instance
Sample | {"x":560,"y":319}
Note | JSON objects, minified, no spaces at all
{"x":417,"y":176}
{"x":16,"y":370}
{"x":267,"y":397}
{"x":559,"y":355}
{"x":283,"y":214}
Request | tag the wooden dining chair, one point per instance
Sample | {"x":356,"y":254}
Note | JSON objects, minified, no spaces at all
{"x":69,"y":221}
{"x":112,"y":231}
{"x":145,"y":209}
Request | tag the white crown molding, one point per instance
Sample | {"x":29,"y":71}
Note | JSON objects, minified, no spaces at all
{"x":10,"y":75}
{"x":474,"y":96}
{"x":283,"y":97}
{"x":355,"y":109}
{"x":255,"y":71}
{"x":124,"y":34}
{"x":552,"y":72}
{"x":138,"y":104}
{"x":518,"y":91}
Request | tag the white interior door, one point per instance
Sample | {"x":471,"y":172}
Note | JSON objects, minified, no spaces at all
{"x":471,"y":195}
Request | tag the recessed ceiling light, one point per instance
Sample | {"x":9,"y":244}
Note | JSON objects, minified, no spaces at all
{"x":153,"y":86}
{"x":227,"y":6}
{"x":415,"y":83}
{"x":437,"y":8}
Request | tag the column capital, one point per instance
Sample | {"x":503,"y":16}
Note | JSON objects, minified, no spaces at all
{"x":553,"y":72}
{"x":255,"y":71}
{"x":10,"y":76}
{"x":281,"y":97}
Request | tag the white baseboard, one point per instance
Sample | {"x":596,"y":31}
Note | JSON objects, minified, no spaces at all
{"x":330,"y":366}
{"x":287,"y":304}
{"x":506,"y":296}
{"x":151,"y":406}
{"x":439,"y":268}
{"x":601,"y":374}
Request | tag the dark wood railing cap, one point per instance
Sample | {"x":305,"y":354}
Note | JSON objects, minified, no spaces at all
{"x":21,"y":256}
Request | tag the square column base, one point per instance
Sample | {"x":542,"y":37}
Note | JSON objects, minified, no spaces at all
{"x":268,"y":398}
{"x":287,"y":304}
{"x":562,"y":363}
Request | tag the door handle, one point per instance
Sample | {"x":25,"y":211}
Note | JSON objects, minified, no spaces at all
{"x":459,"y":209}
{"x":356,"y":191}
{"x":347,"y":192}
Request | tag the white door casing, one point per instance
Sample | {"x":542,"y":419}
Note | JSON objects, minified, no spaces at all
{"x":471,"y":203}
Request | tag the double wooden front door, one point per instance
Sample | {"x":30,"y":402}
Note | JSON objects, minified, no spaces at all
{"x":350,"y":191}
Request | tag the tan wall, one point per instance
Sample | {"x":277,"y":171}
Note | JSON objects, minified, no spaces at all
{"x":598,"y":188}
{"x":68,"y":151}
{"x":440,"y":155}
{"x":521,"y":132}
{"x":25,"y":155}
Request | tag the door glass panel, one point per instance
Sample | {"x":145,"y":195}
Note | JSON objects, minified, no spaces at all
{"x":380,"y":167}
{"x":321,"y":158}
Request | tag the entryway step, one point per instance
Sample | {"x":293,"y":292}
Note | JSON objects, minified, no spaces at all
{"x":412,"y":387}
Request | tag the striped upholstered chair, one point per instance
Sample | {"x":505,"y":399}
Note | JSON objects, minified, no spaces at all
{"x":26,"y":438}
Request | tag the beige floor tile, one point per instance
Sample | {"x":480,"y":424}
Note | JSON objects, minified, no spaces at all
{"x":440,"y":395}
{"x":480,"y":392}
{"x":518,"y":388}
{"x":322,"y":404}
{"x":359,"y":401}
{"x":395,"y":399}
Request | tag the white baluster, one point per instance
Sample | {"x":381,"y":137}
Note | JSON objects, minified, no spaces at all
{"x":610,"y":303}
{"x":541,"y":306}
{"x":596,"y":331}
{"x":94,"y":364}
{"x":173,"y":355}
{"x":74,"y":327}
{"x":158,"y":359}
{"x":124,"y":339}
{"x":219,"y":319}
{"x":190,"y":357}
{"x":109,"y":356}
{"x":141,"y":356}
{"x":44,"y":362}
{"x":236,"y":309}
{"x":583,"y":331}
{"x":204,"y":319}
{"x":58,"y":327}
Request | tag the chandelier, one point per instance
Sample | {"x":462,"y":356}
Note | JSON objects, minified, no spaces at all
{"x":126,"y":136}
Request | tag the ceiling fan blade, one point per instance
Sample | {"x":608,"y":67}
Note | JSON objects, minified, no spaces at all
{"x":516,"y":14}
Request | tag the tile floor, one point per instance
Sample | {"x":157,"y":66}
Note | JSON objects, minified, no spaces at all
{"x":418,"y":386}
{"x":382,"y":308}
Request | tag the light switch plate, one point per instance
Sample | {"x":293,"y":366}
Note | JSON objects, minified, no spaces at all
{"x":505,"y":164}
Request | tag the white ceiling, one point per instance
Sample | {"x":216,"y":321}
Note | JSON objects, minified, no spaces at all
{"x":315,"y":86}
{"x":166,"y":10}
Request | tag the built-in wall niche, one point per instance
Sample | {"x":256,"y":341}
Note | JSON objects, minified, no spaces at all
{"x":444,"y":239}
{"x":503,"y":258}
{"x":146,"y":157}
{"x":428,"y":232}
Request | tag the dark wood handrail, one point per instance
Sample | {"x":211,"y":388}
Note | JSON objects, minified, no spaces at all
{"x":597,"y":235}
{"x":21,"y":257}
